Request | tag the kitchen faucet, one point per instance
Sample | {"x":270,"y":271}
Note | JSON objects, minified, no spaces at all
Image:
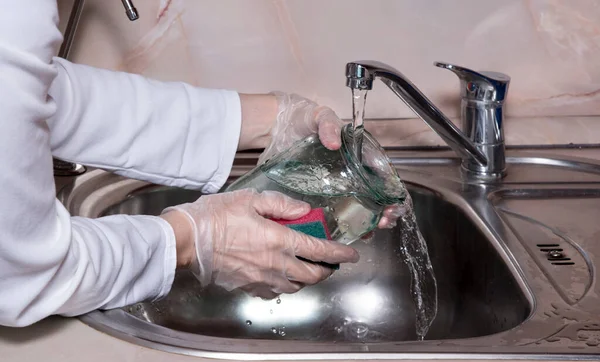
{"x":64,"y":168}
{"x":481,"y":146}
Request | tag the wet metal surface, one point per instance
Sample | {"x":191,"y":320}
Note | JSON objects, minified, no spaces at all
{"x":516,"y":264}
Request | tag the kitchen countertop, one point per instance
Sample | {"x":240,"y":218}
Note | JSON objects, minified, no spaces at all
{"x":68,"y":339}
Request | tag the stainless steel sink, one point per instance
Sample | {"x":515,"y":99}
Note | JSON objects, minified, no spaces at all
{"x":478,"y":296}
{"x":515,"y":265}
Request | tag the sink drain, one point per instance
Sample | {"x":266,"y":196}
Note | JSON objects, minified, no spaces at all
{"x":555,"y":254}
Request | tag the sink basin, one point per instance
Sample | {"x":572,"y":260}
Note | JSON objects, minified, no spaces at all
{"x":477,"y":296}
{"x":497,"y":298}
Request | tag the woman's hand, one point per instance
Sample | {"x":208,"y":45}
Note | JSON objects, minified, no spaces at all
{"x":228,"y":238}
{"x":297,"y":118}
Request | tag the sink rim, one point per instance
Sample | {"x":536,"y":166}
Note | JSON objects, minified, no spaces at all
{"x":321,"y":350}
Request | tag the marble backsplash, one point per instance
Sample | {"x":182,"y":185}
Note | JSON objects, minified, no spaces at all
{"x":550,"y":48}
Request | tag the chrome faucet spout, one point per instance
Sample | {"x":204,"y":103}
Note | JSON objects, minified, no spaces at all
{"x":130,"y":10}
{"x":479,"y":157}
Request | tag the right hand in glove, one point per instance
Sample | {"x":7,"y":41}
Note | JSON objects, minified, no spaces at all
{"x":237,"y":246}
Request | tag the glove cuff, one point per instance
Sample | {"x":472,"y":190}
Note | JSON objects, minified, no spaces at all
{"x":202,"y":264}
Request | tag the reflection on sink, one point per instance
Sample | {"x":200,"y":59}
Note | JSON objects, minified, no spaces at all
{"x":369,"y":301}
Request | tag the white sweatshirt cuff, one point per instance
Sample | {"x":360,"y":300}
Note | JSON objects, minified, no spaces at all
{"x":229,"y":139}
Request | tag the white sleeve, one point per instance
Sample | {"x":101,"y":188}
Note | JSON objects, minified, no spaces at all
{"x":51,"y":263}
{"x":167,"y":133}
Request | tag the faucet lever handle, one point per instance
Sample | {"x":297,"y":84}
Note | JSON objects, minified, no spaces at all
{"x":479,"y":86}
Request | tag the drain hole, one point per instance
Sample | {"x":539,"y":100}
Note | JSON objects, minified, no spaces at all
{"x":556,"y":254}
{"x":559,"y":259}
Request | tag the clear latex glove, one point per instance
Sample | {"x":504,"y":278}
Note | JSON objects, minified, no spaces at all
{"x":297,"y":118}
{"x":237,"y":246}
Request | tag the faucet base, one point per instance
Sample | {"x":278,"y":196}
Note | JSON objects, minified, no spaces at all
{"x":484,"y":176}
{"x":496,"y":166}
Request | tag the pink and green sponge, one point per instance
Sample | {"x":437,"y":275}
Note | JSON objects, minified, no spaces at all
{"x":313,"y":224}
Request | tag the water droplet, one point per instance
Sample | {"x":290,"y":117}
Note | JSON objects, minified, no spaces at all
{"x":249,"y":322}
{"x":282,"y":332}
{"x":358,"y":330}
{"x":338,"y":329}
{"x":138,"y":307}
{"x":278,"y":300}
{"x":271,"y":311}
{"x":274,"y":330}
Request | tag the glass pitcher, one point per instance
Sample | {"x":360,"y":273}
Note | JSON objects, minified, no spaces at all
{"x":351,"y":191}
